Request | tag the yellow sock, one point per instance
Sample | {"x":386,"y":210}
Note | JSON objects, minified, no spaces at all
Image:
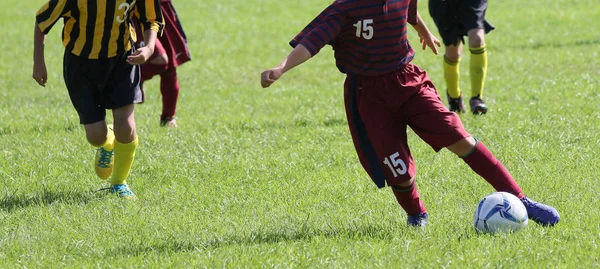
{"x":109,"y":144}
{"x":451,"y":75}
{"x":478,"y":70}
{"x":124,"y":154}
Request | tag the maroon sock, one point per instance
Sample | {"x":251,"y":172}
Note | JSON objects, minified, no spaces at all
{"x":483,"y":162}
{"x":169,"y":89}
{"x":408,"y":198}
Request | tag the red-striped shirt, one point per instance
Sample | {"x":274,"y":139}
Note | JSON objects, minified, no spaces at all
{"x":368,"y":36}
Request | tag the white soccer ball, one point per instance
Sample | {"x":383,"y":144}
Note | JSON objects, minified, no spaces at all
{"x":500,"y":212}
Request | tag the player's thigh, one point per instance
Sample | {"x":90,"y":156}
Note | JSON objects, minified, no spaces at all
{"x":386,"y":130}
{"x":471,"y":14}
{"x":444,"y":15}
{"x":123,"y":86}
{"x":81,"y":79}
{"x":432,"y":121}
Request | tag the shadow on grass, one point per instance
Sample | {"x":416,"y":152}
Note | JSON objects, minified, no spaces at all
{"x":47,"y":197}
{"x":173,"y":245}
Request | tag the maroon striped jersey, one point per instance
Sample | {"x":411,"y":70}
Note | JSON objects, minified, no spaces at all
{"x":368,"y":36}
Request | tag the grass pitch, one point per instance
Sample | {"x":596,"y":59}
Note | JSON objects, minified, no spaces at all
{"x":269,"y":178}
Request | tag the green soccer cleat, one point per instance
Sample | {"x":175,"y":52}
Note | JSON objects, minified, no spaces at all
{"x":104,"y":161}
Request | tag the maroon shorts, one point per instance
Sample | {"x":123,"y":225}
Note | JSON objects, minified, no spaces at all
{"x":173,"y":39}
{"x":380,"y":108}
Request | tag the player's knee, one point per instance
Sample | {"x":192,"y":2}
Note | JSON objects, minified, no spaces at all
{"x":161,"y":59}
{"x":453,"y":56}
{"x":476,"y":38}
{"x":96,"y":133}
{"x":406,"y":183}
{"x":463,"y":146}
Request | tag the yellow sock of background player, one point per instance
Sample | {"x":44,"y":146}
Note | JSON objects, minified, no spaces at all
{"x":451,"y":75}
{"x":478,"y":70}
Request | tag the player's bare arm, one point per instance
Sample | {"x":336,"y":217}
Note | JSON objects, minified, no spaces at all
{"x":298,"y":55}
{"x":425,"y":36}
{"x":141,"y":55}
{"x":40,"y":74}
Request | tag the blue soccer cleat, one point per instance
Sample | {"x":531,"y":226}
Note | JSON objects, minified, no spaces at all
{"x":542,"y":214}
{"x":122,"y":190}
{"x":420,"y":220}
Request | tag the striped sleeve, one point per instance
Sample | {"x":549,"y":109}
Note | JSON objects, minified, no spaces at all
{"x":322,"y":30}
{"x":150,"y":15}
{"x":412,"y":12}
{"x":49,"y":14}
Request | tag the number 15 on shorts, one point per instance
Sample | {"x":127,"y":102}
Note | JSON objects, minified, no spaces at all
{"x":395,"y":164}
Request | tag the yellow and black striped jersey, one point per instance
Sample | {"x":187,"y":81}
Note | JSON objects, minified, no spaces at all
{"x":99,"y":29}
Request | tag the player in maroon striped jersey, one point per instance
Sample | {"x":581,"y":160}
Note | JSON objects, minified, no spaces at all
{"x":384,"y":93}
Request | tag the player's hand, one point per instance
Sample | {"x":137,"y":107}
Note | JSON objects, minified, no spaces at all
{"x":140,"y":56}
{"x":269,"y":76}
{"x":40,"y":74}
{"x":430,"y":41}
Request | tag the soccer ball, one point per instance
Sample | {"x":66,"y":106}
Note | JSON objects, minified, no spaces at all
{"x":500,"y":212}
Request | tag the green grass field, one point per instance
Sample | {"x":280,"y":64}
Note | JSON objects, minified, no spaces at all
{"x":268,"y":178}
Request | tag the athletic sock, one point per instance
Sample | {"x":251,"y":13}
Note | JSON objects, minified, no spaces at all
{"x":408,"y":198}
{"x":478,"y":70}
{"x":169,"y":89}
{"x":451,"y":75}
{"x":483,"y":162}
{"x":124,"y":154}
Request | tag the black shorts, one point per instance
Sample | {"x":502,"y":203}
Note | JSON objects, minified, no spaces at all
{"x":454,"y":18}
{"x":95,"y":85}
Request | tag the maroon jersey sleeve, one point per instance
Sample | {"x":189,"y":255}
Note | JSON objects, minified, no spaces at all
{"x":322,"y":30}
{"x":412,"y":12}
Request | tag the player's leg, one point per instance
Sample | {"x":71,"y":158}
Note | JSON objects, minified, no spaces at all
{"x":381,"y":144}
{"x":451,"y":63}
{"x":484,"y":163}
{"x":121,"y":94}
{"x":477,"y":70}
{"x":472,"y":17}
{"x":407,"y":195}
{"x":169,"y":89}
{"x":81,"y":78}
{"x":102,"y":137}
{"x":444,"y":14}
{"x":440,"y":128}
{"x":126,"y":143}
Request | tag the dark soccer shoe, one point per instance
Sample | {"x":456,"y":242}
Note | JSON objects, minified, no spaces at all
{"x":455,"y":104}
{"x":542,"y":214}
{"x":419,"y":220}
{"x":477,"y":105}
